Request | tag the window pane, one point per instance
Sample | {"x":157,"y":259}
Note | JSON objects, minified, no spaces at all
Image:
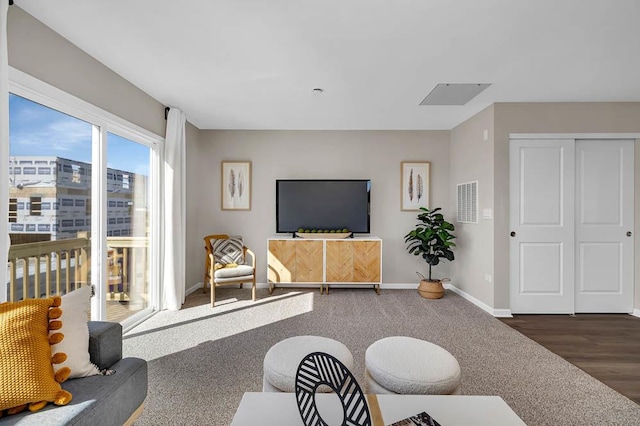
{"x":45,"y":146}
{"x":127,"y":227}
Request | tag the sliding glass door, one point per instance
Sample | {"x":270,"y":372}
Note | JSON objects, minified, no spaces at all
{"x":83,"y":203}
{"x":49,"y":201}
{"x":128,"y":226}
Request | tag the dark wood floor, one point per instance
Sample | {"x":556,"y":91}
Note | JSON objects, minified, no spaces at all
{"x":606,"y":346}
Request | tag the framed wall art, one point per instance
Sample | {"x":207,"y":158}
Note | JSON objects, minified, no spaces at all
{"x":414,"y":185}
{"x":236,"y":185}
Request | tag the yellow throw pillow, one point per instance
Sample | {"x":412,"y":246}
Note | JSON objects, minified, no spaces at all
{"x":26,"y":370}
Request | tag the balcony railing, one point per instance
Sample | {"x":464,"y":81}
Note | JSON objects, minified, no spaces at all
{"x":43,"y":269}
{"x":65,"y":263}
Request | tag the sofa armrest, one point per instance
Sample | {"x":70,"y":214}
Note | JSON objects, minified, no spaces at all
{"x":105,"y":343}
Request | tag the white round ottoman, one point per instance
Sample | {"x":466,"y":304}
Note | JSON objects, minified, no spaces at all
{"x":282,"y":360}
{"x":405,"y":365}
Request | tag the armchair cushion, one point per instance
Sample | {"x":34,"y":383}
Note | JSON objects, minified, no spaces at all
{"x":238,"y":271}
{"x":228,"y":250}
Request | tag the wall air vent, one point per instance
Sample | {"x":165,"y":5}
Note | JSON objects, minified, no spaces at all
{"x":453,"y":94}
{"x":468,"y":202}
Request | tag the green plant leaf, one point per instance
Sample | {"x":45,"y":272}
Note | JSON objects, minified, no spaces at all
{"x":431,"y":237}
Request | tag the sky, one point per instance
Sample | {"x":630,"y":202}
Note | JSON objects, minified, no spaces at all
{"x":38,"y":130}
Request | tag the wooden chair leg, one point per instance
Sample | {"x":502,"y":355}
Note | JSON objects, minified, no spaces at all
{"x":241,"y":284}
{"x":206,"y":274}
{"x":253,"y":289}
{"x":213,"y":294}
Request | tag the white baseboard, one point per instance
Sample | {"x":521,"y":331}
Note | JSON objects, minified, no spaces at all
{"x":400,"y":286}
{"x":192,"y":289}
{"x":636,"y":313}
{"x":388,"y":286}
{"x":498,"y":313}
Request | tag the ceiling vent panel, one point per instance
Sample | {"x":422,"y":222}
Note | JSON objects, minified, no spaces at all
{"x":453,"y":93}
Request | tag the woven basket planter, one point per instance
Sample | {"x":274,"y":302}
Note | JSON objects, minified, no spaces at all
{"x":431,"y":289}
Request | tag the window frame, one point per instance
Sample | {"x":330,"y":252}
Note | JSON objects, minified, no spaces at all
{"x":103,"y":122}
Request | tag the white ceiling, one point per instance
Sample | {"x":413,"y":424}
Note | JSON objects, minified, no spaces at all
{"x":253,"y":64}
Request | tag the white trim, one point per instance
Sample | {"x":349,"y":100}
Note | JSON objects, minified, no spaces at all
{"x":502,"y":313}
{"x":635,"y":313}
{"x":137,"y":318}
{"x":314,"y":286}
{"x":498,"y":313}
{"x":574,"y":135}
{"x":24,"y":85}
{"x":196,"y":287}
{"x":98,"y":202}
{"x":399,"y":286}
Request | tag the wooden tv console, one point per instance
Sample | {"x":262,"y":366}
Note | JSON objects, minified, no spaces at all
{"x":324,"y":261}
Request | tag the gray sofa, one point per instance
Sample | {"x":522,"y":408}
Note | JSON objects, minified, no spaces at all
{"x":97,"y":400}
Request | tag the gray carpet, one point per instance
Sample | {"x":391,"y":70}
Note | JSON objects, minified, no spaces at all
{"x":202,"y":360}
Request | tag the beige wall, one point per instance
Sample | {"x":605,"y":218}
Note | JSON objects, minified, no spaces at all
{"x":619,"y":117}
{"x":39,"y":51}
{"x":321,"y":154}
{"x":472,"y":160}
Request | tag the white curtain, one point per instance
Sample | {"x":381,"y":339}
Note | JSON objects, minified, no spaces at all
{"x":174,"y":257}
{"x":4,"y":146}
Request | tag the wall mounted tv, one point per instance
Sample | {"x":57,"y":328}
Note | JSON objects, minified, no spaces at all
{"x":323,"y":204}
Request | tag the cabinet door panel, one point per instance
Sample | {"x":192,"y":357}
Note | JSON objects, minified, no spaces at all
{"x":366,"y":261}
{"x":339,"y":261}
{"x":282,"y":261}
{"x":308,"y":261}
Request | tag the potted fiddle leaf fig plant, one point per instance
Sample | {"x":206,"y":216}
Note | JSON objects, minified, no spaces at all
{"x":431,"y":239}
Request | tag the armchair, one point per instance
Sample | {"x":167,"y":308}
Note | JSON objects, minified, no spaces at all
{"x":215,"y":276}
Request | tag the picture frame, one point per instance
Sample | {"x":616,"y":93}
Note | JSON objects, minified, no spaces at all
{"x":415,"y":185}
{"x":235,"y":188}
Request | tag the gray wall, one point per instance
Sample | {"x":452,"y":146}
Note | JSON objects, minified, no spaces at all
{"x":320,"y":154}
{"x":472,"y":160}
{"x":39,"y":51}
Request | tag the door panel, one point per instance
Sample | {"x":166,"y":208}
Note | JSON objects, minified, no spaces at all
{"x":541,"y":268}
{"x":542,"y":174}
{"x":541,"y":183}
{"x":604,"y":200}
{"x":600,"y":272}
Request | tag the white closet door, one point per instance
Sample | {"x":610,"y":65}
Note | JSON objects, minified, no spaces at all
{"x":542,"y":239}
{"x":604,"y":225}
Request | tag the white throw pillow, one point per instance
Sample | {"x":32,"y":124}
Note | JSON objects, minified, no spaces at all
{"x":75,"y":308}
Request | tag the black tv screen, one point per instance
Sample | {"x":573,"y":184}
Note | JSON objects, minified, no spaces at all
{"x":323,"y":205}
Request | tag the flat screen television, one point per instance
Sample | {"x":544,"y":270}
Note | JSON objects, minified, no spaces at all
{"x":323,"y":204}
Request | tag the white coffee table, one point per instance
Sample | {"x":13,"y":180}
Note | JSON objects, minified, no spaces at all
{"x":258,"y":408}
